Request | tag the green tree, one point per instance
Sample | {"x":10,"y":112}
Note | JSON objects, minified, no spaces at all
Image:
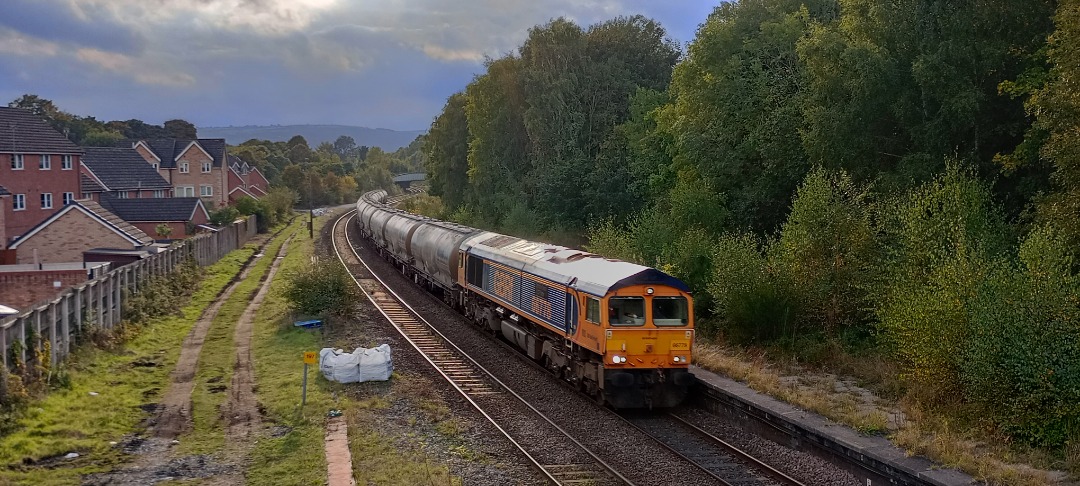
{"x":180,"y":129}
{"x":733,"y":115}
{"x":829,"y":250}
{"x":447,"y":146}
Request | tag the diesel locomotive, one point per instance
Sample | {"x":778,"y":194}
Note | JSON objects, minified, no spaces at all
{"x":619,"y":331}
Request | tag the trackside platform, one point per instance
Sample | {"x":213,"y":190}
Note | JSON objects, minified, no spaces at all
{"x":873,"y":459}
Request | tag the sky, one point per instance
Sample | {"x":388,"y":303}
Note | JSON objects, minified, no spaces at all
{"x":380,"y":64}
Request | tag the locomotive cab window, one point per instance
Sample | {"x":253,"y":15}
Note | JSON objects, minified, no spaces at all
{"x":592,"y":310}
{"x":626,"y":311}
{"x":670,"y":311}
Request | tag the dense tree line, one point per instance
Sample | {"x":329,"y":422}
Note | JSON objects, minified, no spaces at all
{"x":901,"y":175}
{"x":331,"y":173}
{"x":90,"y":132}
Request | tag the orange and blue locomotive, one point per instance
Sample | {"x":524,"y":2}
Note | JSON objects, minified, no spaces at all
{"x":619,"y":331}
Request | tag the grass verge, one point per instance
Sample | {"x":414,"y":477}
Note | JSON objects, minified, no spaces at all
{"x":294,"y":454}
{"x":123,"y":379}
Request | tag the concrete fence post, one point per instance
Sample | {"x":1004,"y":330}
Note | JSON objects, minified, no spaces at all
{"x":65,"y":323}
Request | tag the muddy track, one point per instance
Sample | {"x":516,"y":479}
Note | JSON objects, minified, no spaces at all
{"x":242,"y":413}
{"x":173,"y":413}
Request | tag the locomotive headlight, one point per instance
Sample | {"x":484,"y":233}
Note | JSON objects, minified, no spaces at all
{"x":615,"y":359}
{"x":679,"y":359}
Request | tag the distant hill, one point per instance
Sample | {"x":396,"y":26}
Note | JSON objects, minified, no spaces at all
{"x":388,"y":140}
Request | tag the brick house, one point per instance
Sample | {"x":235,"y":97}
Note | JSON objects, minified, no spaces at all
{"x":79,"y":226}
{"x":245,"y":180}
{"x":39,"y":166}
{"x":180,"y":214}
{"x":121,"y":173}
{"x":193,"y":168}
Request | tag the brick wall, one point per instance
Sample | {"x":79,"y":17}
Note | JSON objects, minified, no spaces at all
{"x":196,"y":177}
{"x":65,"y":239}
{"x":33,"y":181}
{"x":21,"y":289}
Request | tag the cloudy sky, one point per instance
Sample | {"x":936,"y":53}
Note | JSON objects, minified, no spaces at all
{"x":387,"y":63}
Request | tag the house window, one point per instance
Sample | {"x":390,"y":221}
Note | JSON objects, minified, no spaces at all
{"x":68,"y":197}
{"x":206,"y":167}
{"x":122,"y":195}
{"x":65,"y":162}
{"x":46,"y":200}
{"x":17,"y":162}
{"x":185,"y":191}
{"x":154,"y":165}
{"x":19,"y":203}
{"x":206,"y":190}
{"x":184,"y":167}
{"x":159,"y":193}
{"x":45,"y":162}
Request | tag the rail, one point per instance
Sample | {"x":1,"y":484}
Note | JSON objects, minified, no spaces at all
{"x":471,"y":380}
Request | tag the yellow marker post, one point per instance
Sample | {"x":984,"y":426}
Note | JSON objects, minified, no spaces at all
{"x":310,"y":357}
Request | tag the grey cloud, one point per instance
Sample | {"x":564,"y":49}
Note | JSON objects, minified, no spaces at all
{"x":54,"y":21}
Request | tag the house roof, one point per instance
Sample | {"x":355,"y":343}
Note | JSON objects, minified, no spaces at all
{"x":87,"y":184}
{"x":155,"y":209}
{"x":168,"y":149}
{"x":96,"y":212}
{"x":21,"y":131}
{"x":122,"y":169}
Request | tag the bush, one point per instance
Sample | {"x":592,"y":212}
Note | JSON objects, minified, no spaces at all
{"x":754,"y":303}
{"x":829,"y":249}
{"x":1022,"y":363}
{"x":944,"y":236}
{"x":223,"y":216}
{"x":161,"y":295}
{"x":324,"y":288}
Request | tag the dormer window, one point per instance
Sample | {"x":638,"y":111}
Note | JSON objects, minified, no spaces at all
{"x":17,"y":162}
{"x":154,"y":165}
{"x":45,"y":162}
{"x":184,"y":168}
{"x":206,"y":167}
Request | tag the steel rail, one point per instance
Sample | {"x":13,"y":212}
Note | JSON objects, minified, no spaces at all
{"x":411,"y":339}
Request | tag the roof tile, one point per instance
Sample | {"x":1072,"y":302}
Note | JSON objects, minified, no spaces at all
{"x":21,"y":131}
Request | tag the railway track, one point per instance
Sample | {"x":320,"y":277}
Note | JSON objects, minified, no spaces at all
{"x":728,"y":464}
{"x":556,"y":454}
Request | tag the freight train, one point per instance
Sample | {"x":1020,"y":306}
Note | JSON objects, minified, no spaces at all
{"x":620,"y":332}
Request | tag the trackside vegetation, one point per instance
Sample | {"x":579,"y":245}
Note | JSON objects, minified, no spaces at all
{"x":840,"y":181}
{"x":107,"y":379}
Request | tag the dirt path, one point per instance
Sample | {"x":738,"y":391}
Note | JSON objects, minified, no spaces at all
{"x":242,"y":411}
{"x":172,"y":416}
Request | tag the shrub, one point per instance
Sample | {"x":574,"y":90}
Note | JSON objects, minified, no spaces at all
{"x":247,"y":205}
{"x":223,"y":216}
{"x":1022,"y":363}
{"x":753,"y":302}
{"x":943,"y":237}
{"x":828,"y":248}
{"x":324,"y":288}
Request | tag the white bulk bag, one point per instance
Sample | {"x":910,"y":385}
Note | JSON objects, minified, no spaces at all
{"x":360,"y":365}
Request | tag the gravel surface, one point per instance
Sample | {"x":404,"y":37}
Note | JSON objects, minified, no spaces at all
{"x":425,"y":415}
{"x":797,"y":464}
{"x":628,"y":450}
{"x":632,"y":453}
